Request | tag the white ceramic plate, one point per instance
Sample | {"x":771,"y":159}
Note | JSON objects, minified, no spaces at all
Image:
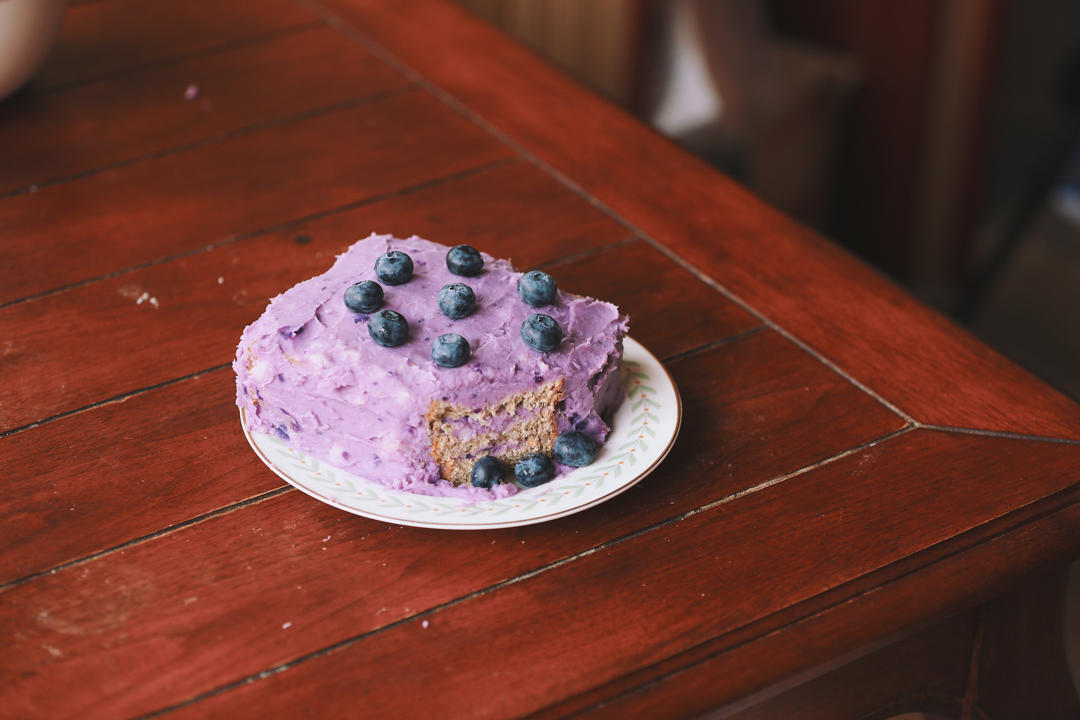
{"x":643,"y":431}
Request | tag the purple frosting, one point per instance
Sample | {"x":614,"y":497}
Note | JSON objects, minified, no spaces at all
{"x":308,"y":371}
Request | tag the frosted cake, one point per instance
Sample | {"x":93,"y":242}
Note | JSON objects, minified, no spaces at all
{"x":434,"y":370}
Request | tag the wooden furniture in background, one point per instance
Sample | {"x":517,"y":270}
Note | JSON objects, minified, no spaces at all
{"x":597,"y":42}
{"x":783,"y":107}
{"x":912,"y":168}
{"x":853,"y":472}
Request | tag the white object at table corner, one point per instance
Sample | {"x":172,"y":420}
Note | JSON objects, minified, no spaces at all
{"x":643,"y":431}
{"x":27,"y":31}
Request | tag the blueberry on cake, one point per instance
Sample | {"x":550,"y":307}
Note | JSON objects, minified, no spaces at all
{"x":435,"y":370}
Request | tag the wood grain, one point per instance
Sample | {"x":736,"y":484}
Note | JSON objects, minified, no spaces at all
{"x":79,"y":230}
{"x":872,"y":329}
{"x":52,"y":135}
{"x":511,"y":211}
{"x":124,"y":343}
{"x":671,"y":310}
{"x":151,"y":562}
{"x":267,"y":564}
{"x":100,"y":478}
{"x":668,"y":591}
{"x":252,"y":271}
{"x":216,"y":314}
{"x":98,"y":39}
{"x":719,"y":674}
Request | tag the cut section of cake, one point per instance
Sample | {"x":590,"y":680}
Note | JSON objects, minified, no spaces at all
{"x":515,"y":426}
{"x":377,"y":367}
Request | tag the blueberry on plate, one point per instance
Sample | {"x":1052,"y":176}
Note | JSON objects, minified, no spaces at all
{"x":575,"y":449}
{"x":388,"y":328}
{"x":535,"y":469}
{"x":450,"y":350}
{"x":457,"y":300}
{"x":487,"y":472}
{"x":364,"y":297}
{"x":464,"y":260}
{"x":537,"y":288}
{"x":394,"y":267}
{"x":541,"y":332}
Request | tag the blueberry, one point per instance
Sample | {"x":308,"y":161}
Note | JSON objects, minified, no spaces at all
{"x":487,"y":472}
{"x":394,"y":267}
{"x":450,"y":350}
{"x":464,"y":260}
{"x":457,"y":300}
{"x":541,"y":332}
{"x":535,"y":469}
{"x":574,"y":448}
{"x":364,"y":297}
{"x":388,"y":328}
{"x":537,"y":288}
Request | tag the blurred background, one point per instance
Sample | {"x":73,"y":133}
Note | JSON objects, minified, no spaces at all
{"x":936,"y":139}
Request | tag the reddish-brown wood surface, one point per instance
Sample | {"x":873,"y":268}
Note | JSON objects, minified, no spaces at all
{"x":98,"y":39}
{"x":141,"y":113}
{"x":622,"y":610}
{"x":208,"y":559}
{"x":151,"y":210}
{"x":902,"y":351}
{"x":811,"y":513}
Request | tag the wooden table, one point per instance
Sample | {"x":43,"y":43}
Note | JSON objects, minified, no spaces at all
{"x":856,"y":480}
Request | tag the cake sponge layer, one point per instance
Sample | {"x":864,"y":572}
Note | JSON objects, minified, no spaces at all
{"x":523,"y":423}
